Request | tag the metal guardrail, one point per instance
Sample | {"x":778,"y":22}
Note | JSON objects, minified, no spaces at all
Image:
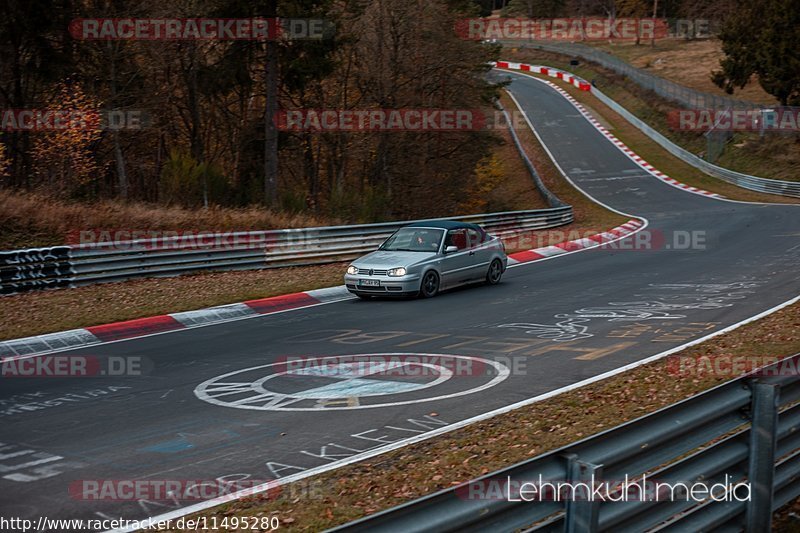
{"x":701,"y":439}
{"x":753,"y":183}
{"x":688,"y":97}
{"x":71,"y":266}
{"x":549,"y":196}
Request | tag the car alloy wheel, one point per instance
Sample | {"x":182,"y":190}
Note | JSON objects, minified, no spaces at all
{"x":430,"y":285}
{"x":495,"y":273}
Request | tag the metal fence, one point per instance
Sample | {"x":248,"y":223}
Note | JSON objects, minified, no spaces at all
{"x":746,"y":181}
{"x":716,"y":140}
{"x":71,"y":266}
{"x":746,"y":429}
{"x":670,"y":90}
{"x":715,"y":137}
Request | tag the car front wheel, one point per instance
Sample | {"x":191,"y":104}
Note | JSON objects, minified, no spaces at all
{"x":495,"y":272}
{"x":430,"y":284}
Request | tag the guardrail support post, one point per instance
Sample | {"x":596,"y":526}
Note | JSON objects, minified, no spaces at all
{"x":761,"y":461}
{"x":582,"y":515}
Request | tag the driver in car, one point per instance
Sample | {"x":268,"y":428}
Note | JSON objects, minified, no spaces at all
{"x":424,"y":242}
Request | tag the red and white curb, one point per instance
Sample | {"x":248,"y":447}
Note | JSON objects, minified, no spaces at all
{"x":586,"y":86}
{"x":593,"y":241}
{"x":129,"y":329}
{"x":568,"y":77}
{"x":140,"y":327}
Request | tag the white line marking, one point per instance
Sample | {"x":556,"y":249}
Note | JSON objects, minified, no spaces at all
{"x":527,"y":75}
{"x":201,"y":391}
{"x":186,"y":328}
{"x":457,"y":425}
{"x":196,"y":508}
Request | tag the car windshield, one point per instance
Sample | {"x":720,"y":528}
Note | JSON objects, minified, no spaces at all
{"x":414,"y":240}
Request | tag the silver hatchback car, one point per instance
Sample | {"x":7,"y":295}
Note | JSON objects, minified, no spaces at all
{"x":426,"y":257}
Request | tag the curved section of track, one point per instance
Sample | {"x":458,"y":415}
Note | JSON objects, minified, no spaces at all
{"x":549,"y":324}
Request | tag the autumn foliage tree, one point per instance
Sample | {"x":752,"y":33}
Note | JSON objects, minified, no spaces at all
{"x":5,"y":164}
{"x":206,"y":139}
{"x":63,"y":152}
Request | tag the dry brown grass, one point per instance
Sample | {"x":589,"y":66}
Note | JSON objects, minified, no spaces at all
{"x":516,"y":190}
{"x":30,"y":219}
{"x":689,"y":63}
{"x":99,"y":304}
{"x":34,"y":313}
{"x":776,"y":156}
{"x":787,"y":519}
{"x":396,"y":477}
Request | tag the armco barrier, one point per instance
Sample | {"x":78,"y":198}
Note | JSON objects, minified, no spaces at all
{"x":689,"y":98}
{"x":71,"y":266}
{"x":753,"y":183}
{"x":701,"y":439}
{"x":549,"y":196}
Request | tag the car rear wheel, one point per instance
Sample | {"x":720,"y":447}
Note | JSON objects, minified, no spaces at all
{"x":430,"y":284}
{"x":495,"y":272}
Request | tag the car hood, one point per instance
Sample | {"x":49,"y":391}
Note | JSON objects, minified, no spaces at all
{"x":388,"y":259}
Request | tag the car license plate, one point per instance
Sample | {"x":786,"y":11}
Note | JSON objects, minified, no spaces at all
{"x":370,"y":282}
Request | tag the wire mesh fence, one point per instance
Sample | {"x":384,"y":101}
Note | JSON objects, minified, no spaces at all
{"x":689,"y":98}
{"x":716,"y":139}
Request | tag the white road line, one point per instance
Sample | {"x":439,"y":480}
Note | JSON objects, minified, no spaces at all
{"x":619,"y":146}
{"x":458,"y":425}
{"x":196,"y":508}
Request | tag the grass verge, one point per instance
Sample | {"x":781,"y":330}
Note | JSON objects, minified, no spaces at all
{"x":777,"y":156}
{"x":31,"y":220}
{"x":41,"y":312}
{"x":657,"y":156}
{"x":689,"y":63}
{"x":34,"y":313}
{"x":396,"y":477}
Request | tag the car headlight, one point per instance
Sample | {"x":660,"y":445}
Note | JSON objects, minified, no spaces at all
{"x":397,"y":271}
{"x":352,"y":270}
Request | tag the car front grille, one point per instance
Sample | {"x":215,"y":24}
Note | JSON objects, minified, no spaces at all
{"x":370,"y":288}
{"x":372,"y":272}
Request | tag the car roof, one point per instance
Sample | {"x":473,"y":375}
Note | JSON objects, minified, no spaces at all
{"x":443,"y":224}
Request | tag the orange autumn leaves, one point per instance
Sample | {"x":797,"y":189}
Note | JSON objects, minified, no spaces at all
{"x":64,"y":153}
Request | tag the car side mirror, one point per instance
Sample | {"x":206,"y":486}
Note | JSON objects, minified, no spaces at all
{"x":451,"y":249}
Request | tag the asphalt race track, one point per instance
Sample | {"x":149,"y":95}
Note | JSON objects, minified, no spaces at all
{"x":549,"y":324}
